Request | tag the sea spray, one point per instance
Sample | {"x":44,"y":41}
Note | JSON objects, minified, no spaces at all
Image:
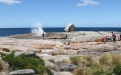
{"x":37,"y":29}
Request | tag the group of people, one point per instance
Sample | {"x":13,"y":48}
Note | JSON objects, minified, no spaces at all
{"x":113,"y":38}
{"x":108,"y":38}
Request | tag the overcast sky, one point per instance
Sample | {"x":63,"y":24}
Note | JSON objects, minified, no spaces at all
{"x":59,"y":13}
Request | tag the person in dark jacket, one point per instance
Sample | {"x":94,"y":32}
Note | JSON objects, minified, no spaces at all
{"x":120,"y":36}
{"x":43,"y":35}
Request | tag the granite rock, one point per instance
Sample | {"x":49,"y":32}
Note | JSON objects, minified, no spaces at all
{"x":23,"y":72}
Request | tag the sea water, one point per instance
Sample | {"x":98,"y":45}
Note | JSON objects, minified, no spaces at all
{"x":14,"y":31}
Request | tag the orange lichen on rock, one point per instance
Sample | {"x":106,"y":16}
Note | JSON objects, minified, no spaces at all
{"x":45,"y":46}
{"x":88,"y":41}
{"x":0,"y":48}
{"x":104,"y":50}
{"x":67,"y":47}
{"x":71,"y":43}
{"x":55,"y":53}
{"x":103,"y":39}
{"x":63,"y":53}
{"x":62,"y":45}
{"x":75,"y":48}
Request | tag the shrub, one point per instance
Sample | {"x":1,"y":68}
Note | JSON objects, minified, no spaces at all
{"x":117,"y":70}
{"x":110,"y":59}
{"x":75,"y":60}
{"x":2,"y":54}
{"x":116,"y":59}
{"x":105,"y":59}
{"x":23,"y":62}
{"x":78,"y":71}
{"x":84,"y":61}
{"x":91,"y":70}
{"x":87,"y":61}
{"x":95,"y":70}
{"x":65,"y":60}
{"x":3,"y":67}
{"x":106,"y":65}
{"x":1,"y":64}
{"x":99,"y":72}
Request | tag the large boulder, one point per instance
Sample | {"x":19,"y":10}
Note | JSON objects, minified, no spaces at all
{"x":70,"y":27}
{"x":16,"y":54}
{"x":23,"y":72}
{"x":52,"y":66}
{"x":67,"y":67}
{"x":63,"y":73}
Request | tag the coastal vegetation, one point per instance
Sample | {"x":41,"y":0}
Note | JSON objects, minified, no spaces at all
{"x":26,"y":62}
{"x":3,"y":67}
{"x":106,"y":64}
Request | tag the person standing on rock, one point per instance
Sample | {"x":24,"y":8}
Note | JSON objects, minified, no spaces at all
{"x":43,"y":35}
{"x":120,"y":36}
{"x":113,"y":36}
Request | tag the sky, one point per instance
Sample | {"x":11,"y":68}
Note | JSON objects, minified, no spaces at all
{"x":59,"y":13}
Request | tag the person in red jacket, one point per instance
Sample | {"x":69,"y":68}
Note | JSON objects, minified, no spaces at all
{"x":113,"y":36}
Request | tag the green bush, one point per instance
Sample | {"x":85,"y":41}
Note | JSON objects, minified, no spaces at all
{"x":117,"y":70}
{"x":99,"y":72}
{"x":24,"y":62}
{"x":2,"y":54}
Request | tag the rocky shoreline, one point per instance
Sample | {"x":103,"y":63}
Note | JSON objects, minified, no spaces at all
{"x":55,"y":47}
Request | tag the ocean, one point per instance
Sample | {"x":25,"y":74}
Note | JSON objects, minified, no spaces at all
{"x":13,"y":31}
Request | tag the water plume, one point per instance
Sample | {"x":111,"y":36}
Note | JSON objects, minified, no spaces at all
{"x":37,"y":29}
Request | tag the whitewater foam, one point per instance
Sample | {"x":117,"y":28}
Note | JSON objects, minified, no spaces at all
{"x":39,"y":30}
